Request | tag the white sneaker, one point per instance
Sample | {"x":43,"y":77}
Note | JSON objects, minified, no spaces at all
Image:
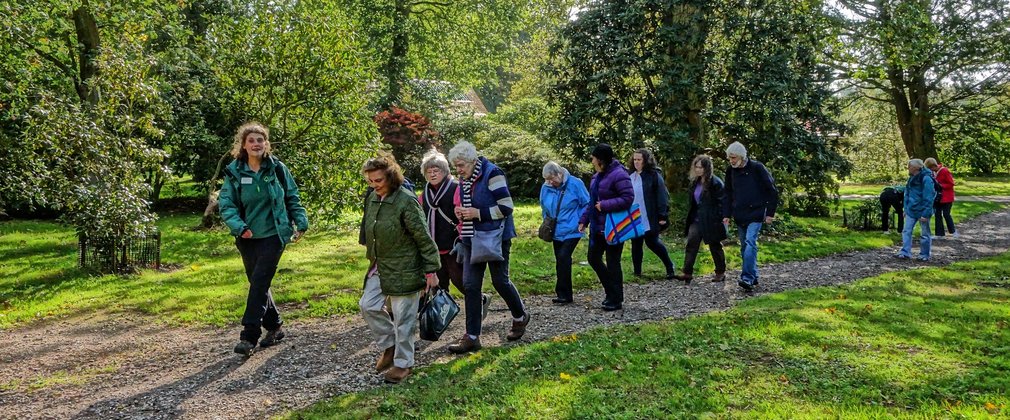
{"x":956,"y":234}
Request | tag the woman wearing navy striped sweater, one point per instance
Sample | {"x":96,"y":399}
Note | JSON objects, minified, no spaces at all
{"x":484,"y":204}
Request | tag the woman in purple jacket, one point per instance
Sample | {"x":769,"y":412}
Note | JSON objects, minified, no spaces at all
{"x":610,"y":191}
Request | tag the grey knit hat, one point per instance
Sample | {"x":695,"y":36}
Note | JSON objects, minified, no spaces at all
{"x":737,"y":149}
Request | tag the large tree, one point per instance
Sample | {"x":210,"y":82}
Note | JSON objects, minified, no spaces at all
{"x":925,"y":57}
{"x":768,"y":88}
{"x":292,"y":66}
{"x":630,"y":73}
{"x":77,"y":106}
{"x":465,"y":42}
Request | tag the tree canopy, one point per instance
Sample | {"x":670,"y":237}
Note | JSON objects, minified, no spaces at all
{"x":925,"y":57}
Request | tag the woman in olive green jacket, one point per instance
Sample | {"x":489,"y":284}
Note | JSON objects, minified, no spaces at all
{"x":403,"y":261}
{"x":259,"y":203}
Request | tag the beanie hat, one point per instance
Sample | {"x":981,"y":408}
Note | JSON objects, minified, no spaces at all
{"x":737,"y":149}
{"x":603,"y":152}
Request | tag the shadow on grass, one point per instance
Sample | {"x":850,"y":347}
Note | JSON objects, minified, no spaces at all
{"x":919,"y":343}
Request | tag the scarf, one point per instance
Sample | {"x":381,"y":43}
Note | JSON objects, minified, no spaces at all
{"x":466,"y":198}
{"x":431,"y":198}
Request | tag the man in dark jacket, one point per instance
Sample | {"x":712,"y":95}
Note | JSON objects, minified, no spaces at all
{"x":751,"y":199}
{"x":891,"y":198}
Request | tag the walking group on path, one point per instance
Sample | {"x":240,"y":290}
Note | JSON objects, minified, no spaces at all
{"x":135,"y":368}
{"x":461,"y":227}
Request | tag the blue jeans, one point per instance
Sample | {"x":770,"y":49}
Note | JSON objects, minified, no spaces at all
{"x":925,"y":238}
{"x":749,"y":252}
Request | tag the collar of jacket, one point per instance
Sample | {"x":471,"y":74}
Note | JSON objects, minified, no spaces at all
{"x":485,"y":168}
{"x":391,"y":198}
{"x":614,"y":165}
{"x":269,"y":164}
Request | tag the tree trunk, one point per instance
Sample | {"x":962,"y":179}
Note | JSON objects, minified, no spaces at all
{"x":156,"y":185}
{"x":913,"y":113}
{"x":88,"y":40}
{"x":394,"y":68}
{"x":210,"y":213}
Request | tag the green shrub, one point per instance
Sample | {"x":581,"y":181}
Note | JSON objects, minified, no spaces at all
{"x":455,"y":130}
{"x":984,"y":152}
{"x":533,"y":115}
{"x":520,"y":154}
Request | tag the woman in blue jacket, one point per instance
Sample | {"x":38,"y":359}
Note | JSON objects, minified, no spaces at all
{"x":563,"y":197}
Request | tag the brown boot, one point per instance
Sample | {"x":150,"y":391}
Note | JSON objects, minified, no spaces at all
{"x":719,"y":277}
{"x":396,"y":375}
{"x":518,"y":328}
{"x":686,"y":277}
{"x":385,"y":359}
{"x":465,"y":345}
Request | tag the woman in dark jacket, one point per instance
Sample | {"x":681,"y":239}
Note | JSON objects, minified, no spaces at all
{"x":436,"y":202}
{"x":653,"y":199}
{"x":704,"y":219}
{"x":259,"y":202}
{"x":402,"y":260}
{"x":609,"y":191}
{"x":484,"y":204}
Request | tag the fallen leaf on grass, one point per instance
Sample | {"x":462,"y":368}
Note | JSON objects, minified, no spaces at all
{"x":565,"y":376}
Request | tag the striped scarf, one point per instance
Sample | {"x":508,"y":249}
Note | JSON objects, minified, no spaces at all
{"x":466,"y":198}
{"x":431,"y":198}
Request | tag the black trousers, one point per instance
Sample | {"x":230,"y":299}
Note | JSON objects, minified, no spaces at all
{"x":694,"y":241}
{"x":942,"y":211}
{"x":563,"y":251}
{"x":891,"y":199}
{"x":260,"y":258}
{"x":610,"y":274}
{"x":473,"y":281}
{"x":650,"y":239}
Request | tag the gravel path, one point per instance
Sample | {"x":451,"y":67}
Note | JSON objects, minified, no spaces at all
{"x":125,"y":367}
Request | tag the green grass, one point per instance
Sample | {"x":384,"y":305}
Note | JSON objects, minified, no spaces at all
{"x":320,"y":276}
{"x":996,"y":185}
{"x":929,"y":343}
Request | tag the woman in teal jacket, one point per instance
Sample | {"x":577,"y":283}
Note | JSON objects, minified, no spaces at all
{"x":259,"y":203}
{"x":574,"y":198}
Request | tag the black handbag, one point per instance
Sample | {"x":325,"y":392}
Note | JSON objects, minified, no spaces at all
{"x":438,"y":309}
{"x":550,"y":224}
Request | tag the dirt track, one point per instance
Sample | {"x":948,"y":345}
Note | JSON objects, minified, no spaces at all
{"x":126,"y":367}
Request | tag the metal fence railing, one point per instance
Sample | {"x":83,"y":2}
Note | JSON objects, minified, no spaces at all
{"x":119,"y":255}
